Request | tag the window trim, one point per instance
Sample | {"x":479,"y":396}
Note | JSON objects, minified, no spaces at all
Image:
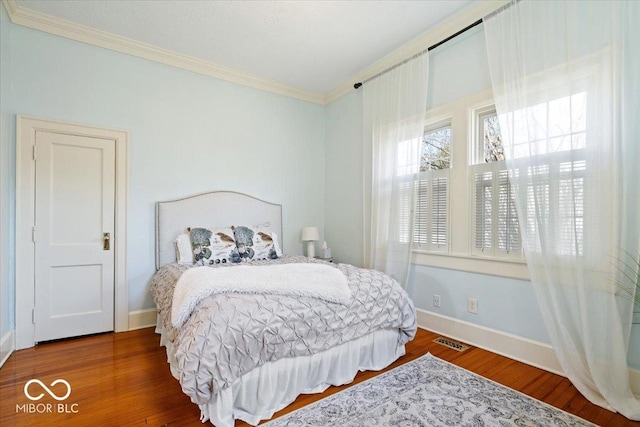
{"x":510,"y":268}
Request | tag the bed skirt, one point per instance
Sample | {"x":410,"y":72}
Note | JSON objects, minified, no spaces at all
{"x":260,"y":393}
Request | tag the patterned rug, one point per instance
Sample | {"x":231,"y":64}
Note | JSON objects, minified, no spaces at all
{"x":428,"y":392}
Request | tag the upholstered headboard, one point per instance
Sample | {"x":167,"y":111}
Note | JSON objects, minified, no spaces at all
{"x":215,"y":209}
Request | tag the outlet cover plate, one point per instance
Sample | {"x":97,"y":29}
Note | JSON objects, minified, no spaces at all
{"x":472,"y":305}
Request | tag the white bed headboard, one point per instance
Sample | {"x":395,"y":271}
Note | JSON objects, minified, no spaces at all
{"x":214,"y":209}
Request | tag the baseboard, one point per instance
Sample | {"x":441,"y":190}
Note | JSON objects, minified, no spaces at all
{"x":7,"y":346}
{"x":523,"y":350}
{"x":142,"y":318}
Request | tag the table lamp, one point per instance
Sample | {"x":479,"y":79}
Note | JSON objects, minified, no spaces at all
{"x":310,"y":235}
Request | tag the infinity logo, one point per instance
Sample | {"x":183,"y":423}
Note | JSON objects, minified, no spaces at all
{"x":52,"y":394}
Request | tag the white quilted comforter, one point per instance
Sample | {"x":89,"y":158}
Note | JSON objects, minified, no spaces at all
{"x":227,"y":335}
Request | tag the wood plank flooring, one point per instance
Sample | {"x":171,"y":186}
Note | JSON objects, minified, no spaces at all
{"x":123,"y":380}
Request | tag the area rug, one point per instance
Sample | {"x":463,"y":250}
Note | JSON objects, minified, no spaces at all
{"x":428,"y":392}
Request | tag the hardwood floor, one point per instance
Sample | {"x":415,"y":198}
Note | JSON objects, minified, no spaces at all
{"x":123,"y":380}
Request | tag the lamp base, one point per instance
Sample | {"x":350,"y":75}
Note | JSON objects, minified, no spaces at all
{"x":311,"y":249}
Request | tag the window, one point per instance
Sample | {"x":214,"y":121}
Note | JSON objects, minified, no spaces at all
{"x":428,"y":188}
{"x":555,"y":185}
{"x":496,"y":230}
{"x":435,"y":149}
{"x":431,"y":226}
{"x":444,"y":231}
{"x":469,"y":213}
{"x":491,"y":137}
{"x":556,"y":126}
{"x":557,"y":129}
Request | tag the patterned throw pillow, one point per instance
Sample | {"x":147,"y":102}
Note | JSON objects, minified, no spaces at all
{"x":253,"y":244}
{"x":266,"y":228}
{"x":211,"y":246}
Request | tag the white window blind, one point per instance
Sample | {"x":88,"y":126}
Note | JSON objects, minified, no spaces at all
{"x":571,"y":207}
{"x":556,"y":204}
{"x":495,"y":222}
{"x":404,"y":214}
{"x":431,"y":225}
{"x":508,"y":231}
{"x":483,"y":203}
{"x":439,"y":213}
{"x":421,"y":222}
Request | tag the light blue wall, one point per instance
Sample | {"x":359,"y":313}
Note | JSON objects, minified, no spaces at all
{"x":504,"y":304}
{"x":457,"y":69}
{"x":7,"y":185}
{"x":188,"y":134}
{"x":343,"y":179}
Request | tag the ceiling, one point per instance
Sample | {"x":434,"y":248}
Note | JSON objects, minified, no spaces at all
{"x":309,"y":45}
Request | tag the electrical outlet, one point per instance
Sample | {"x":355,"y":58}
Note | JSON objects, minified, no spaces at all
{"x":436,"y":300}
{"x":472,"y":305}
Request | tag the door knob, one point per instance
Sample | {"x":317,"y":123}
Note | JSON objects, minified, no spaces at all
{"x":106,"y":237}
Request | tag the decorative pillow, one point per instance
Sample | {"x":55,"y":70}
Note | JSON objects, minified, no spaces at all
{"x":184,"y":252}
{"x":266,"y":228}
{"x":253,"y":243}
{"x":211,"y":246}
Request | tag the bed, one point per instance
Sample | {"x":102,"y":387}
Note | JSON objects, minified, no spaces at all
{"x":245,"y":354}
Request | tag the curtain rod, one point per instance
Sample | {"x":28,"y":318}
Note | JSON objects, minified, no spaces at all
{"x":430,"y":48}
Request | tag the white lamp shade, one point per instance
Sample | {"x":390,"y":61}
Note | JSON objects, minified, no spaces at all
{"x":310,"y":234}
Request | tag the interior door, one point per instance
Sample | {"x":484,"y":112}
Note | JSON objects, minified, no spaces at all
{"x":73,"y":233}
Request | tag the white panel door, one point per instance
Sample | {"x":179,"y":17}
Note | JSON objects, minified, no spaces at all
{"x":74,"y":215}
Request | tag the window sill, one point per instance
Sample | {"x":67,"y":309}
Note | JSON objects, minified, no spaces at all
{"x":515,"y":269}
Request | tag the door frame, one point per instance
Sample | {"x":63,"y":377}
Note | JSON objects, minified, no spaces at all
{"x":26,"y":128}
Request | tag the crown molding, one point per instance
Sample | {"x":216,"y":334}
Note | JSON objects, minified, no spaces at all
{"x":451,"y":25}
{"x":71,"y":30}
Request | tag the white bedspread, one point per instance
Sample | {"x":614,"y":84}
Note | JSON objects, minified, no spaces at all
{"x":304,"y":280}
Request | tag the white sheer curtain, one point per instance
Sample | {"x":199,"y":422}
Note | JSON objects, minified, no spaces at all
{"x":566,"y":82}
{"x":394,"y":107}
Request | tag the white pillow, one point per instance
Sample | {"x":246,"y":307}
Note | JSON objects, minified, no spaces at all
{"x":184,"y":253}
